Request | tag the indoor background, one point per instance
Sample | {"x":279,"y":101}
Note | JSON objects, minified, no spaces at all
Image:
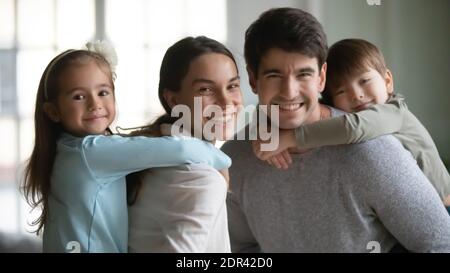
{"x":413,"y":35}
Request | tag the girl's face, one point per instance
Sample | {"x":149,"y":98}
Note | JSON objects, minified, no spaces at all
{"x":213,"y":77}
{"x":85,"y":104}
{"x":363,"y":90}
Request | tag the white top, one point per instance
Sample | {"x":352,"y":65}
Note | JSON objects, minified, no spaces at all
{"x":180,"y":209}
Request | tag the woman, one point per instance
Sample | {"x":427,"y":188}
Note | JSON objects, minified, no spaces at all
{"x":182,"y":209}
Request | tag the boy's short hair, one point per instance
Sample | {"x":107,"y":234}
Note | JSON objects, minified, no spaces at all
{"x":348,"y":58}
{"x":289,"y":29}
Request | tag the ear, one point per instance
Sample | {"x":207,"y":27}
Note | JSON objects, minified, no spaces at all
{"x":251,"y":79}
{"x":52,"y":112}
{"x":389,"y":79}
{"x":170,"y":97}
{"x":322,"y":77}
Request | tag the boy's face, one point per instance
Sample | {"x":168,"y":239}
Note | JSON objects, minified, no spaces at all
{"x":292,"y":81}
{"x":363,"y":90}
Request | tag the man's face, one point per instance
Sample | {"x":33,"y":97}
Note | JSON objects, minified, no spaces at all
{"x":292,"y":81}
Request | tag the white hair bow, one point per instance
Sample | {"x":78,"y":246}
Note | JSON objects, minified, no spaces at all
{"x":105,"y":49}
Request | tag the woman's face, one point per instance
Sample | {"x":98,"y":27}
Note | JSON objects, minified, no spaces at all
{"x":211,"y":90}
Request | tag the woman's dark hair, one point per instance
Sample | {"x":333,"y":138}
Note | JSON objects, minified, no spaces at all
{"x":289,"y":29}
{"x":174,"y":67}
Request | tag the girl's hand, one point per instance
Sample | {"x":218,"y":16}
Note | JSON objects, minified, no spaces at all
{"x":165,"y":129}
{"x":447,"y":201}
{"x":225,"y":175}
{"x":286,"y":141}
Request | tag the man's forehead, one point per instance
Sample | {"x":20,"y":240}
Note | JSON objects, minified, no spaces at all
{"x":278,"y":58}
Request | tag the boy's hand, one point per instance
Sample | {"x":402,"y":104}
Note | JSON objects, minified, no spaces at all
{"x":281,"y":160}
{"x":286,"y":141}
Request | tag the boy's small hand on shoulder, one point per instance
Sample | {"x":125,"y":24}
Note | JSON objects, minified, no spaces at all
{"x":286,"y":140}
{"x":281,"y":160}
{"x":279,"y":157}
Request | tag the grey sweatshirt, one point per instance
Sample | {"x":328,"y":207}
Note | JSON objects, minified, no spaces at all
{"x":342,"y":198}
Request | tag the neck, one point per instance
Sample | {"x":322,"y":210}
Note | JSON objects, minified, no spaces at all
{"x":323,"y":113}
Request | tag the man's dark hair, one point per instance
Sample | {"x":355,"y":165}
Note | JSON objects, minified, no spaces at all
{"x":289,"y":29}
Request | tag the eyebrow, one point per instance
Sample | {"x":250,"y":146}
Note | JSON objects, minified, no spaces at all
{"x":234,"y":79}
{"x":298,"y":71}
{"x":201,"y":80}
{"x":81,"y":88}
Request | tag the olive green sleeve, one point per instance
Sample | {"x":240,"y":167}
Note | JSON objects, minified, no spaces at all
{"x":377,"y":120}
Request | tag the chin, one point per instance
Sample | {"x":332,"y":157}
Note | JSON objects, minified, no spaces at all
{"x":227,"y":134}
{"x":289,"y":123}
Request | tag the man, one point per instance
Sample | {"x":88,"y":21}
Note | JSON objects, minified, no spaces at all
{"x":346,"y":198}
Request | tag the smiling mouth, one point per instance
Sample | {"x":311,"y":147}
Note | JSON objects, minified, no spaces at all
{"x":290,"y":107}
{"x":94,"y":118}
{"x":362,"y":106}
{"x":223,"y":119}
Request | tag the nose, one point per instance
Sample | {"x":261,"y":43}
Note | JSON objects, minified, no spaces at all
{"x":356,"y":93}
{"x":94,"y":104}
{"x":224,"y":99}
{"x":289,"y":88}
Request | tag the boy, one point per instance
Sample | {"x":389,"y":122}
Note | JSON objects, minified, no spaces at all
{"x":359,"y":82}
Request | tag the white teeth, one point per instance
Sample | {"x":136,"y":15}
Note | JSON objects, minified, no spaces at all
{"x":290,"y":107}
{"x":223,"y":119}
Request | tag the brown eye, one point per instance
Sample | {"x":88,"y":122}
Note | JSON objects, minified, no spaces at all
{"x":339,"y":92}
{"x":103,"y":93}
{"x":205,"y":91}
{"x":78,"y":97}
{"x":272,"y":75}
{"x":366,"y":80}
{"x":233,"y":87}
{"x":304,"y":75}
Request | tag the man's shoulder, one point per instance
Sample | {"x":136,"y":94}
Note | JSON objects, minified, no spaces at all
{"x":375,"y":164}
{"x":381,"y":145}
{"x":376,"y":152}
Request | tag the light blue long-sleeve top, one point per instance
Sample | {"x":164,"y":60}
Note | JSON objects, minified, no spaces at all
{"x":87,"y":208}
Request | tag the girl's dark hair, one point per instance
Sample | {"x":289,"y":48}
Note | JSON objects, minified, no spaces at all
{"x":289,"y":29}
{"x":174,"y":67}
{"x":36,"y":184}
{"x":348,"y":58}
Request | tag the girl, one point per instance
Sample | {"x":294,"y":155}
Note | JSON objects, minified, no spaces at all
{"x":182,"y":209}
{"x":77,"y":169}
